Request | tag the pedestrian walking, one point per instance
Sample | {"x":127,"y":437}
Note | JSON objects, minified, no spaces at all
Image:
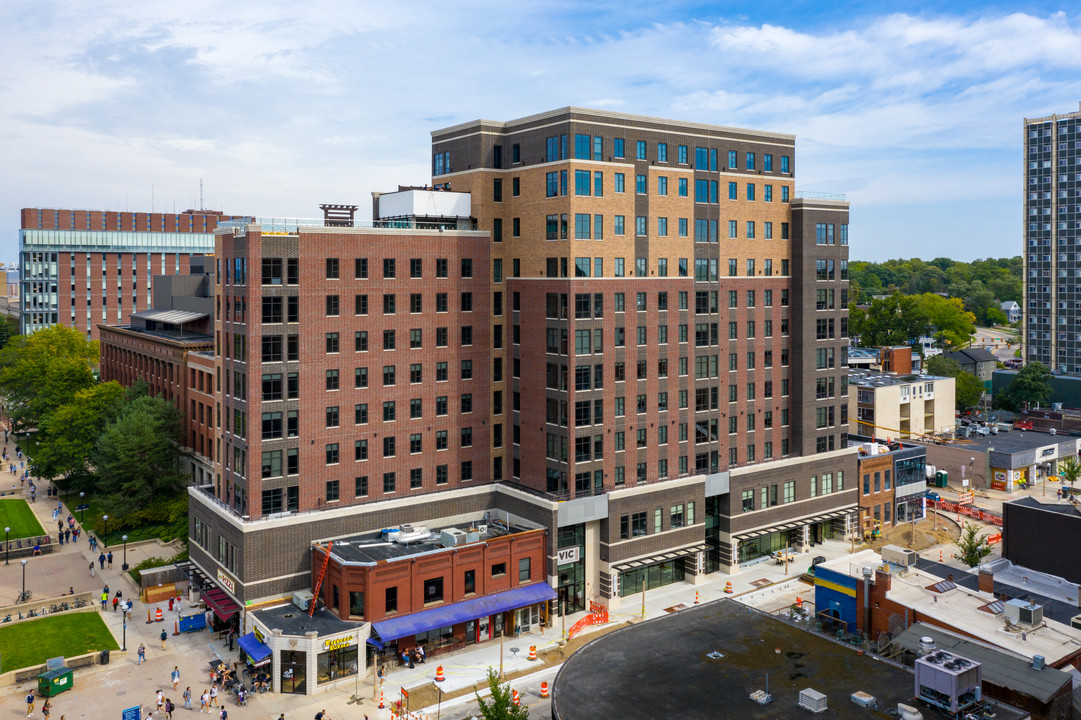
{"x":29,"y":703}
{"x":322,"y":715}
{"x":116,"y":602}
{"x":46,"y":708}
{"x":176,"y":676}
{"x":204,"y":702}
{"x":141,"y":654}
{"x":104,"y":596}
{"x":161,"y":700}
{"x":101,"y":560}
{"x":213,"y":695}
{"x":67,"y":535}
{"x":163,"y":636}
{"x":187,"y":698}
{"x":91,"y":568}
{"x":169,"y":707}
{"x":109,"y":559}
{"x":224,"y":714}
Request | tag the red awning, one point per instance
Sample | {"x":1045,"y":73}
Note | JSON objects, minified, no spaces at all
{"x":222,"y":605}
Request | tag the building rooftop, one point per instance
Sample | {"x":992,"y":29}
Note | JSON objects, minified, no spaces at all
{"x":372,"y":548}
{"x":291,"y":620}
{"x":187,"y":338}
{"x":705,"y":661}
{"x":971,"y":355}
{"x":1000,"y":667}
{"x":872,"y":378}
{"x":1013,"y":441}
{"x":968,"y":611}
{"x":1055,"y":507}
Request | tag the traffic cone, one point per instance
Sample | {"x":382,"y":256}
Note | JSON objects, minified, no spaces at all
{"x":149,"y":620}
{"x":532,"y":652}
{"x":544,"y":689}
{"x":176,"y":627}
{"x":728,"y":587}
{"x":158,"y":617}
{"x":799,"y":603}
{"x":940,"y":556}
{"x":381,"y":703}
{"x":439,"y":676}
{"x":695,"y":597}
{"x":515,"y":698}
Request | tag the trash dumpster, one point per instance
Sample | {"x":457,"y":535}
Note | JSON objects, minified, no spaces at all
{"x":54,"y":682}
{"x":191,"y":623}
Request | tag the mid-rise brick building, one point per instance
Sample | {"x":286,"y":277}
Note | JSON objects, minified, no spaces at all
{"x":560,"y":332}
{"x":85,"y":268}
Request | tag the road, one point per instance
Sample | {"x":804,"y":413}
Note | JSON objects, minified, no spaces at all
{"x":996,"y":340}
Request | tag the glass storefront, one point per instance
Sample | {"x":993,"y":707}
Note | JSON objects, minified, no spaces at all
{"x":294,"y":671}
{"x":713,"y":537}
{"x":762,"y":546}
{"x":571,"y":587}
{"x":335,"y":664}
{"x":651,"y":576}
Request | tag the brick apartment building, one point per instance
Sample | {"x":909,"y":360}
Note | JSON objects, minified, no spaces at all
{"x":85,"y":268}
{"x":561,"y":333}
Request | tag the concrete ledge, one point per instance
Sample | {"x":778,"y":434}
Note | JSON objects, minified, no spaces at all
{"x":22,"y":675}
{"x":89,"y":597}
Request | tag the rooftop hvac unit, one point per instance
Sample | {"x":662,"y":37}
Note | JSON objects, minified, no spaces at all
{"x":412,"y":533}
{"x":482,"y":528}
{"x":1020,"y":612}
{"x":1075,"y":622}
{"x":864,"y":700}
{"x":907,"y":712}
{"x":303,"y":599}
{"x":812,"y":700}
{"x":947,"y":681}
{"x":452,"y":537}
{"x":896,"y":555}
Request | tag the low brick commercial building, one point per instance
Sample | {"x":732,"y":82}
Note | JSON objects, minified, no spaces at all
{"x":441,"y":586}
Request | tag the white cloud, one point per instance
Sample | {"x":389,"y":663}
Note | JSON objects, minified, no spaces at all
{"x":286,"y":104}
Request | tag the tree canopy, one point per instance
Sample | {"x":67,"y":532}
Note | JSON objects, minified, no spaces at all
{"x":42,"y":371}
{"x":68,"y":435}
{"x":894,"y":320}
{"x":1032,"y":385}
{"x":499,"y":706}
{"x":981,"y":284}
{"x":969,"y":389}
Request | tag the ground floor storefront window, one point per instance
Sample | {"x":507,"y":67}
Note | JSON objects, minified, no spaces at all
{"x":651,"y":576}
{"x":335,"y":664}
{"x":294,"y":672}
{"x":762,"y":546}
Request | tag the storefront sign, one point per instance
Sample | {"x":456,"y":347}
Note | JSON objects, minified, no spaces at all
{"x":258,"y":634}
{"x":567,"y":555}
{"x":337,"y":643}
{"x":226,"y":581}
{"x":1048,"y":451}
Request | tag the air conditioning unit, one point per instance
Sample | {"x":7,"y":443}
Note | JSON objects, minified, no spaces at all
{"x":452,"y":537}
{"x":896,"y":555}
{"x":303,"y":599}
{"x":412,"y":533}
{"x":1020,"y":612}
{"x":810,"y":699}
{"x":482,"y":528}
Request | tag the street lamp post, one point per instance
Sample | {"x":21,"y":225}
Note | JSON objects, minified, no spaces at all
{"x":105,"y":537}
{"x":7,"y":545}
{"x":23,"y":595}
{"x":124,"y":567}
{"x":81,"y":503}
{"x":124,"y":639}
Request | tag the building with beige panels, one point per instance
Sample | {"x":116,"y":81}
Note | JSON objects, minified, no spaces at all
{"x":894,"y":406}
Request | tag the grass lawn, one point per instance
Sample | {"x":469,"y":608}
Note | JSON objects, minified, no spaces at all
{"x":33,"y":642}
{"x":17,"y":515}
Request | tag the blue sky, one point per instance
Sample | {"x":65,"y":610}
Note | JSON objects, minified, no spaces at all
{"x":914,"y":114}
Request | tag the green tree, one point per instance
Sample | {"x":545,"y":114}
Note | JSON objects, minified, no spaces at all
{"x":42,"y":371}
{"x":894,"y":320}
{"x":9,"y":328}
{"x":499,"y":706}
{"x":971,"y":545}
{"x":68,"y":435}
{"x":137,"y":456}
{"x":952,"y":325}
{"x":968,"y":390}
{"x":1069,"y":470}
{"x":1032,"y":385}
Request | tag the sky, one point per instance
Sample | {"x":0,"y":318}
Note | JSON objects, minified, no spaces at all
{"x":914,"y":114}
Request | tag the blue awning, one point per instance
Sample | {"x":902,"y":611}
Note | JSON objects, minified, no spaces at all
{"x":375,"y":643}
{"x":255,"y":650}
{"x":454,"y":613}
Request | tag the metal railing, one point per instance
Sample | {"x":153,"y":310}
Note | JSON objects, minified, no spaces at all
{"x":291,"y":226}
{"x":811,"y":195}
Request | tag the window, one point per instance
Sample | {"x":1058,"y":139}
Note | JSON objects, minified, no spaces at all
{"x":499,"y":569}
{"x":332,"y":268}
{"x":662,"y":185}
{"x":332,"y":343}
{"x":640,"y":150}
{"x":332,"y":490}
{"x":331,"y":453}
{"x":620,"y":182}
{"x":391,"y":599}
{"x":332,"y":380}
{"x":524,"y":570}
{"x":640,"y":184}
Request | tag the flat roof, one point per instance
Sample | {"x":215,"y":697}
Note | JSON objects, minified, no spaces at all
{"x":291,"y":620}
{"x":372,"y":548}
{"x":705,"y":661}
{"x":1009,"y":442}
{"x":960,"y":608}
{"x":873,"y":378}
{"x":190,"y":338}
{"x":1000,"y":667}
